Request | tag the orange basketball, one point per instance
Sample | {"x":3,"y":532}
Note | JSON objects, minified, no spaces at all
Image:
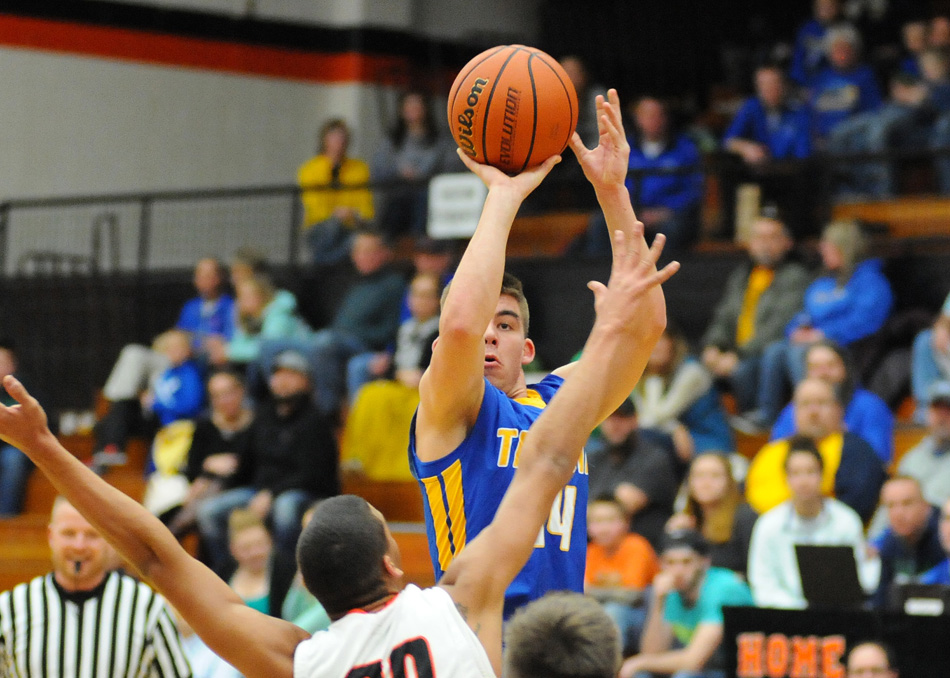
{"x":512,"y":107}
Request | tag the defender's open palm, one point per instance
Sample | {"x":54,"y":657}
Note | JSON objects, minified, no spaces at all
{"x":607,"y":164}
{"x":631,"y":277}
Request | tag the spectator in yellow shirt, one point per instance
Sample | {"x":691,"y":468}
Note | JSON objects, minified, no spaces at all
{"x":334,"y":194}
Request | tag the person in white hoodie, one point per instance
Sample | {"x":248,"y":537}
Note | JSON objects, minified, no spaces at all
{"x":807,"y":518}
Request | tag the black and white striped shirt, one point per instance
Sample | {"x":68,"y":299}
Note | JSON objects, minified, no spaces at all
{"x":122,"y":629}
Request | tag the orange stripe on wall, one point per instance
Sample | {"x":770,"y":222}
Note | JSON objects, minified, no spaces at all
{"x":170,"y":50}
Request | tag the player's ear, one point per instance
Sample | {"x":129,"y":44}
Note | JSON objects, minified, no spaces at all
{"x":527,"y":353}
{"x":391,"y":569}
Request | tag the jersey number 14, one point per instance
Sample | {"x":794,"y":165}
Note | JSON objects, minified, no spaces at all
{"x":561,"y":520}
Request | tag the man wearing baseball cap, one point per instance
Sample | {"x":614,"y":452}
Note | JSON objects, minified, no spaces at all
{"x":684,"y":628}
{"x":290,"y":459}
{"x":929,"y":461}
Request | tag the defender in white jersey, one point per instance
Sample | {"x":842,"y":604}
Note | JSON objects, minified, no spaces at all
{"x":347,"y":556}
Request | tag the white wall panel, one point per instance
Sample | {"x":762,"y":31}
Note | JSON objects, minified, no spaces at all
{"x":83,"y":125}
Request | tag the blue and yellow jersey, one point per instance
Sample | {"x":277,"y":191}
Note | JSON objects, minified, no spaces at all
{"x":462,"y":491}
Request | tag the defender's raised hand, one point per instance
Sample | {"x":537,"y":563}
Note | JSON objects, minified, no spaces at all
{"x":631,"y":277}
{"x":607,"y":164}
{"x":23,"y":425}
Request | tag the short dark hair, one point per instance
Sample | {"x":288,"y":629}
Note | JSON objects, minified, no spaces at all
{"x":627,"y":408}
{"x":684,"y":539}
{"x":7,"y":344}
{"x":803,"y":444}
{"x":229,"y":371}
{"x":340,"y":554}
{"x":562,"y":635}
{"x":511,"y":286}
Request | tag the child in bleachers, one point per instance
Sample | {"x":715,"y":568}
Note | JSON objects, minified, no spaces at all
{"x":175,"y":401}
{"x":176,"y":394}
{"x":251,"y":547}
{"x":620,"y":565}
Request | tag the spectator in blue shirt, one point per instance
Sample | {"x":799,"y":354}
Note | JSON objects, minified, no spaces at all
{"x":845,"y":87}
{"x":865,"y":414}
{"x":911,"y":545}
{"x":940,"y":574}
{"x":769,"y":130}
{"x":666,"y":200}
{"x":851,"y":300}
{"x":914,"y":37}
{"x":769,"y":126}
{"x":211,"y":313}
{"x":906,"y":121}
{"x":808,"y":55}
{"x":178,"y":393}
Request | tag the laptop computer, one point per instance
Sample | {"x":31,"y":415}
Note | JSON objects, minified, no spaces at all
{"x":829,"y":576}
{"x":923,"y":600}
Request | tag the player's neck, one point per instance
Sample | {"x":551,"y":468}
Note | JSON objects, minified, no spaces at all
{"x":520,"y":387}
{"x":375,"y":606}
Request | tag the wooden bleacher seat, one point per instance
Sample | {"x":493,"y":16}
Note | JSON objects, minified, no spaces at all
{"x":905,"y":438}
{"x":414,"y":549}
{"x":397,"y":501}
{"x":906,"y":217}
{"x":24,"y":553}
{"x":749,"y":445}
{"x":545,"y":235}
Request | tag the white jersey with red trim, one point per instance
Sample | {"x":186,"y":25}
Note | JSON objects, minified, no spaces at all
{"x":419,"y":634}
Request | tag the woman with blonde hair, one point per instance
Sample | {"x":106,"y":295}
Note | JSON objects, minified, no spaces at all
{"x":715,"y":508}
{"x":261,"y":315}
{"x":850,"y":300}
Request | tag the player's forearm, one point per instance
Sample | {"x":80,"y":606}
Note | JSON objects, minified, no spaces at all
{"x":136,"y":534}
{"x":619,"y":354}
{"x":617,"y":594}
{"x":606,"y":373}
{"x":473,"y":293}
{"x":668,"y":662}
{"x":615,"y":203}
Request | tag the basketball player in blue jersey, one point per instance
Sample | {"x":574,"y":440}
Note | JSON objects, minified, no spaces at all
{"x":475,"y":406}
{"x":350,"y":561}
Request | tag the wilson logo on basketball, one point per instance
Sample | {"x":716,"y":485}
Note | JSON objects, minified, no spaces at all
{"x":467,"y":116}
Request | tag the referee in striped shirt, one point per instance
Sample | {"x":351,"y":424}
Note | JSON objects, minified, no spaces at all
{"x":83,"y":621}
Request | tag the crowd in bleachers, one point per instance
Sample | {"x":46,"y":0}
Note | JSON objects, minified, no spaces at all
{"x":253,"y":429}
